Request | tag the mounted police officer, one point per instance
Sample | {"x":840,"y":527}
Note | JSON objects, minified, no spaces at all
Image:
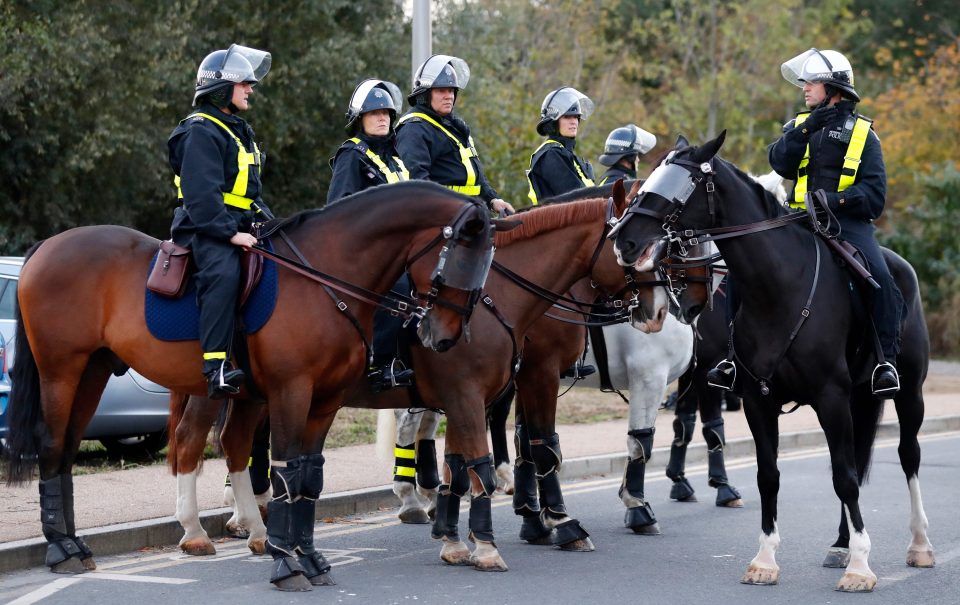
{"x":367,"y":159}
{"x":833,"y":148}
{"x":554,"y":167}
{"x":217,"y":166}
{"x":436,"y":144}
{"x":623,"y":148}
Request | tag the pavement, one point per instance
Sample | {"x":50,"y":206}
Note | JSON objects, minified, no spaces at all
{"x":120,"y":511}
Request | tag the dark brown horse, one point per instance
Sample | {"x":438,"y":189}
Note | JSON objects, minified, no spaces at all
{"x":553,"y":248}
{"x":81,"y":317}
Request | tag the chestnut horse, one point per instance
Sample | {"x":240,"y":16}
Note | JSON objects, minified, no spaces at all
{"x":81,"y":317}
{"x":799,"y":336}
{"x":552,"y":247}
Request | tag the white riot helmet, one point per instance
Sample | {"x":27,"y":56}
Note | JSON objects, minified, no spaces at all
{"x":624,"y":141}
{"x":221,"y":69}
{"x":566,"y":101}
{"x":827,"y":66}
{"x":373,"y":94}
{"x":439,"y":71}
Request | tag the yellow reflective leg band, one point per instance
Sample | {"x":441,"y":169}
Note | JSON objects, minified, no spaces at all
{"x":404,"y":471}
{"x":215,"y":355}
{"x":402,"y":452}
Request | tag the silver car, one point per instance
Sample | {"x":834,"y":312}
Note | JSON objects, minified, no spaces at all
{"x":132,"y":416}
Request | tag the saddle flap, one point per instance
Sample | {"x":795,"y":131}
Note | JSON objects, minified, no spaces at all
{"x":170,"y":271}
{"x":251,"y":270}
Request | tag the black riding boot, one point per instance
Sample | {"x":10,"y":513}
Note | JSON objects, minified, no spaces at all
{"x":723,"y":376}
{"x":223,"y":380}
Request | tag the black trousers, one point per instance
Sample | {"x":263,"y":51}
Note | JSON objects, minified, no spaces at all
{"x":886,"y":304}
{"x":387,"y":328}
{"x":218,"y":286}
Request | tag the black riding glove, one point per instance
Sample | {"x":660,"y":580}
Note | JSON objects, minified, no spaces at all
{"x":818,"y":118}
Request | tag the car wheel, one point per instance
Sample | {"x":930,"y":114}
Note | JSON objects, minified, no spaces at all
{"x":133,"y":448}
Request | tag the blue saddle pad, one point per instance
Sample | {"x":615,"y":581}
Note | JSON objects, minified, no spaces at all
{"x":179,"y":318}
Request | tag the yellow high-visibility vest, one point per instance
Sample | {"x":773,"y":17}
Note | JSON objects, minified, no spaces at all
{"x":236,"y":196}
{"x":391,"y":176}
{"x":587,"y":181}
{"x":469,"y":187}
{"x":851,"y":159}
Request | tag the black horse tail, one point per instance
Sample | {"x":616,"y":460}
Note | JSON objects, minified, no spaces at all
{"x":25,"y":427}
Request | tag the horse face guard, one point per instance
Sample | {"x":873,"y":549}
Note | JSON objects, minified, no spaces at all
{"x":464,"y":261}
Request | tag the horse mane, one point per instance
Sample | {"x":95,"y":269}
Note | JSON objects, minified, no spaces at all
{"x":372,"y":195}
{"x":774,"y":205}
{"x":545,"y":218}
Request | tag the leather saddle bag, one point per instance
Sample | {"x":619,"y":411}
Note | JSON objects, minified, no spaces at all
{"x":170,"y":272}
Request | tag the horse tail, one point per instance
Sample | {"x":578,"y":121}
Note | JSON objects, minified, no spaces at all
{"x":25,"y":428}
{"x":178,"y":405}
{"x":867,"y":412}
{"x":218,"y":425}
{"x":386,"y":434}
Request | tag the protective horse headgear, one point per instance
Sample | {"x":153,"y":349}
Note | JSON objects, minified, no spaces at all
{"x":624,"y":141}
{"x":370,"y":95}
{"x":221,"y":69}
{"x":566,"y":101}
{"x":439,"y":71}
{"x":827,"y":66}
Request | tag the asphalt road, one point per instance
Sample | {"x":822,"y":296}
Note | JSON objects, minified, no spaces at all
{"x":699,"y":558}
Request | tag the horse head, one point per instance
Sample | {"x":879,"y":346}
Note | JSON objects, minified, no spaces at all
{"x":640,"y":233}
{"x":448,"y":290}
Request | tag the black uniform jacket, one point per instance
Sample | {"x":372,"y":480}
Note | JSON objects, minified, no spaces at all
{"x":857,"y":205}
{"x":615,"y":172}
{"x":551,"y":169}
{"x":429,"y":154}
{"x":353,"y":171}
{"x":205,"y":158}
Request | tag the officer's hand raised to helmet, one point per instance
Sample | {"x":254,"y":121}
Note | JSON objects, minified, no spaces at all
{"x":818,"y":118}
{"x":243,"y":239}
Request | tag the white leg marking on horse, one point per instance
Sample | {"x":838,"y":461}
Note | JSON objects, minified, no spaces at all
{"x":248,"y":511}
{"x":763,"y":569}
{"x":195,"y":539}
{"x":858,"y":577}
{"x":920,"y":551}
{"x":505,"y":478}
{"x":486,"y":557}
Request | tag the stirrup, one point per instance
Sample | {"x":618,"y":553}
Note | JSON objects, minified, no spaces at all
{"x":578,"y":371}
{"x":723,"y":376}
{"x":391,"y":375}
{"x":885,"y":381}
{"x":224,"y":382}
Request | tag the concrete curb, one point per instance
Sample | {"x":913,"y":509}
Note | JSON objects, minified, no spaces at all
{"x":165,"y":531}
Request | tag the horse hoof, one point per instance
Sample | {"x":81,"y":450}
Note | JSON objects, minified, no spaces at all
{"x":323,"y":579}
{"x":837,"y":557}
{"x":236,"y":530}
{"x":295,"y":583}
{"x":416,"y":516}
{"x":495,"y":563}
{"x":582,"y":545}
{"x":690,"y":498}
{"x":856,"y":582}
{"x":90,"y":565}
{"x":920,"y":558}
{"x":455,"y":553}
{"x":72,"y":565}
{"x":647,"y":530}
{"x":198,"y":547}
{"x":735,"y":503}
{"x":257,"y":546}
{"x":761,"y":576}
{"x":505,"y":479}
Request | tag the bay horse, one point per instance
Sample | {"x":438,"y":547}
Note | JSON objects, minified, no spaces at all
{"x":798,"y":336}
{"x":303,"y":359}
{"x":552,"y":247}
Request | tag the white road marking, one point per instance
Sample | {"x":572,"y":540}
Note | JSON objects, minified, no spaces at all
{"x":58,"y":585}
{"x":45,"y":591}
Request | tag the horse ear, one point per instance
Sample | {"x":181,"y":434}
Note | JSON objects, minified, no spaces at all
{"x":634,"y":189}
{"x":502,"y":225}
{"x":473,"y":226}
{"x":681,"y":142}
{"x":710,"y":148}
{"x":619,"y":193}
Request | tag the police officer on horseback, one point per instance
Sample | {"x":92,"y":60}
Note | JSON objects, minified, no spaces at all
{"x":832,"y":148}
{"x":554,"y":167}
{"x":367,"y":159}
{"x":436,"y":144}
{"x":622,"y":149}
{"x":217,"y":165}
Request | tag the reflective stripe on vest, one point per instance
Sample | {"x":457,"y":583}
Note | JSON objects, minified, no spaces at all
{"x":235,"y":197}
{"x":587,"y":182}
{"x":391,"y":176}
{"x":470,"y":187}
{"x":851,"y":159}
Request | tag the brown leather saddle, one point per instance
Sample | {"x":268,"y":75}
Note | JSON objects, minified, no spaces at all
{"x":173,"y":267}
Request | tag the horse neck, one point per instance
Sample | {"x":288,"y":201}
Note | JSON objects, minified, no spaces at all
{"x":553,"y":258}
